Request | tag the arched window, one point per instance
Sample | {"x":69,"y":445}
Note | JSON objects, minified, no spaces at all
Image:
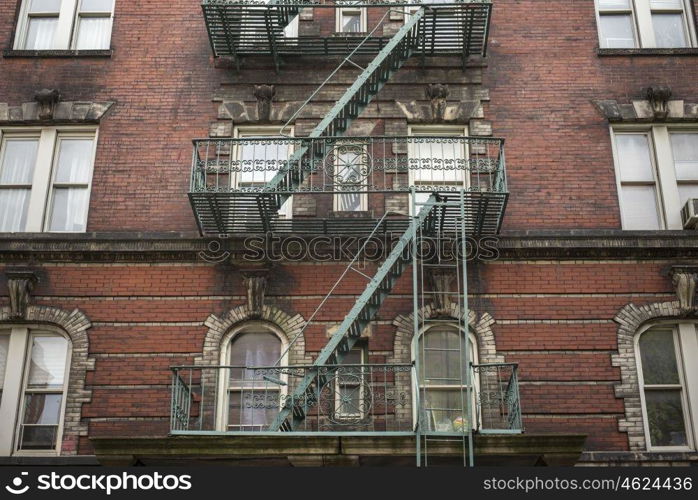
{"x":252,"y":395}
{"x":667,"y":357}
{"x":443,"y":375}
{"x":34,"y":368}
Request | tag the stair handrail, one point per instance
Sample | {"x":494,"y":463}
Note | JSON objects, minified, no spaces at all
{"x":329,"y":294}
{"x":341,"y":65}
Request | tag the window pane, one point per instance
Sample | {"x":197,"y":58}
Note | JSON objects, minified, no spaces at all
{"x":445,"y":410}
{"x":617,"y":31}
{"x":667,"y":4}
{"x":614,"y":4}
{"x":252,"y":349}
{"x":44,"y":409}
{"x":665,"y":418}
{"x":687,"y":191}
{"x":260,"y":162}
{"x":40,"y":33}
{"x":94,"y":33}
{"x":658,"y":355}
{"x":4,"y":346}
{"x":74,"y":161}
{"x":348,"y":401}
{"x":669,"y":30}
{"x":96,"y":5}
{"x":38,"y":437}
{"x":252,"y":410}
{"x":634,"y":158}
{"x":438,"y":161}
{"x":14,"y":205}
{"x":351,"y":23}
{"x":18,"y":161}
{"x":685,"y":150}
{"x":639,"y":207}
{"x":47,"y":367}
{"x":69,"y":209}
{"x":442,"y":358}
{"x":52,"y":6}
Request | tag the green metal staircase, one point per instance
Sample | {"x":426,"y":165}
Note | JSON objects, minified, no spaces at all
{"x":306,"y":393}
{"x":373,"y":78}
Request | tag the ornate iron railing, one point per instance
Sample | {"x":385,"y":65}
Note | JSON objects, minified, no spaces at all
{"x":364,"y":398}
{"x":342,"y":165}
{"x":497,"y":398}
{"x":345,"y":398}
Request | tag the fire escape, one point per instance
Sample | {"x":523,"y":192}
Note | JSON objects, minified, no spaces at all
{"x":455,"y":191}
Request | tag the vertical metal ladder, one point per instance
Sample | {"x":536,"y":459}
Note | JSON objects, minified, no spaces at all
{"x":306,"y":393}
{"x":433,"y":438}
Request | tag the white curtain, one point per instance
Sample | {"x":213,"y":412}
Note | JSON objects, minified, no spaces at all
{"x":4,"y":346}
{"x":17,"y":169}
{"x":48,"y":358}
{"x":70,"y":203}
{"x":94,"y":33}
{"x":40,"y":33}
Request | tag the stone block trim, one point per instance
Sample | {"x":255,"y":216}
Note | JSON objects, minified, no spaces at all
{"x":640,"y":111}
{"x":291,"y":326}
{"x":65,"y":112}
{"x":630,"y":318}
{"x":75,"y":324}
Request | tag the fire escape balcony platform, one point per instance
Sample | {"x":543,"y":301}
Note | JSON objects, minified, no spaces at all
{"x":239,"y":28}
{"x":349,"y":181}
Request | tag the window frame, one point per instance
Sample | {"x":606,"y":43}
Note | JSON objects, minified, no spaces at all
{"x":685,"y":340}
{"x":362,"y":185}
{"x":662,"y":157}
{"x":641,"y":21}
{"x":14,"y":391}
{"x":471,"y":344}
{"x":224,"y":389}
{"x":65,"y":37}
{"x":351,"y":10}
{"x":262,"y":131}
{"x":362,"y":413}
{"x":40,"y":195}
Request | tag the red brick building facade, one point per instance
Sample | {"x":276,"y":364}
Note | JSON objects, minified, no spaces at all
{"x":574,"y":285}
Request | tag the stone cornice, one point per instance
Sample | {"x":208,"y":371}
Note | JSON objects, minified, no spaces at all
{"x":187,"y":247}
{"x":65,"y":112}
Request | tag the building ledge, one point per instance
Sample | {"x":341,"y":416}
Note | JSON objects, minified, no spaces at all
{"x":307,"y":449}
{"x":637,"y":458}
{"x":9,"y":53}
{"x":684,"y":51}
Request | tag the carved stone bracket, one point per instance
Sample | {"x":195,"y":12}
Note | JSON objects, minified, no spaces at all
{"x":256,"y":285}
{"x":437,"y":94}
{"x":20,"y":284}
{"x":658,"y":98}
{"x":265,"y":95}
{"x":47,"y":99}
{"x":685,"y":279}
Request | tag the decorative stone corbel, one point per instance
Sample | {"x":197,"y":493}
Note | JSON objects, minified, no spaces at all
{"x":441,"y":280}
{"x":47,"y":99}
{"x":685,"y":279}
{"x":256,"y":285}
{"x":437,"y":94}
{"x":265,"y":95}
{"x":658,"y":97}
{"x":20,"y":284}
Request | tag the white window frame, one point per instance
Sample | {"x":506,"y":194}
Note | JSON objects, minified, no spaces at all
{"x":474,"y":381}
{"x":263,"y":131}
{"x":437,"y":131}
{"x":340,"y":415}
{"x":661,"y":155}
{"x":41,"y":195}
{"x":15,"y":388}
{"x":351,"y":11}
{"x":65,"y":37}
{"x":686,"y":345}
{"x":363,"y":194}
{"x":640,"y":13}
{"x":224,"y":388}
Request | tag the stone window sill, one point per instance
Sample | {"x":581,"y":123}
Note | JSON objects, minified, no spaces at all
{"x":649,"y":52}
{"x":57,"y":53}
